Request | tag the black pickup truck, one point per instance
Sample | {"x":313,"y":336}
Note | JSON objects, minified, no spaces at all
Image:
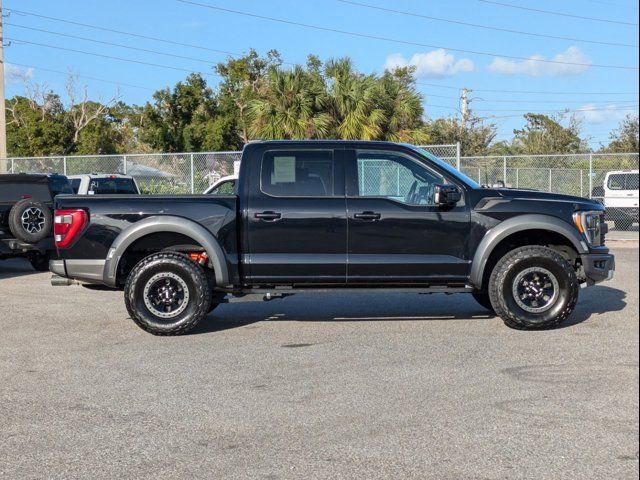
{"x":26,"y":216}
{"x":323,"y":216}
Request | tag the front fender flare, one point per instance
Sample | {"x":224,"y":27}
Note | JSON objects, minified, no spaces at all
{"x":519,"y":224}
{"x":166,"y":224}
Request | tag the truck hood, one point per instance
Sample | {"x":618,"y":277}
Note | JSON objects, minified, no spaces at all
{"x":523,"y":194}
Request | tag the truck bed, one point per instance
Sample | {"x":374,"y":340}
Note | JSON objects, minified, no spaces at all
{"x":110,"y":215}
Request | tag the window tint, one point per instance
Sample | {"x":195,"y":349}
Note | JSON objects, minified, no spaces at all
{"x":59,"y":185}
{"x":298,"y":173}
{"x":112,"y":186}
{"x":394,"y":176}
{"x":623,"y":181}
{"x":75,"y":184}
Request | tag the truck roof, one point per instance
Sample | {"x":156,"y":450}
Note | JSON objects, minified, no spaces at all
{"x":326,"y":142}
{"x":28,"y":177}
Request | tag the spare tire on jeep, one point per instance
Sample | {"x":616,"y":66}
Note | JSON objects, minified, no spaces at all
{"x":30,"y":220}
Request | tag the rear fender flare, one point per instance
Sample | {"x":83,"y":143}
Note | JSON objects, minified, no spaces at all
{"x":519,"y":224}
{"x":164,"y":224}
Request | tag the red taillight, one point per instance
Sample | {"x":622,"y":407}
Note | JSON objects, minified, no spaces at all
{"x":67,"y":225}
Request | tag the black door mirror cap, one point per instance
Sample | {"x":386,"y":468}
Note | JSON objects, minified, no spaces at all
{"x":447,"y":195}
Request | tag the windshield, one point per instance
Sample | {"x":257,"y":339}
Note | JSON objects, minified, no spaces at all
{"x":448,"y":168}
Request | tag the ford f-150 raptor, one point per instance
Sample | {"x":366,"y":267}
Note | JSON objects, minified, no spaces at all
{"x":348,"y":216}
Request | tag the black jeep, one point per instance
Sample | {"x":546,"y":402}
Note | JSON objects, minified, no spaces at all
{"x":26,"y":216}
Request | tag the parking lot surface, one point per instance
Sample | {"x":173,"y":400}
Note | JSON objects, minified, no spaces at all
{"x":331,"y":386}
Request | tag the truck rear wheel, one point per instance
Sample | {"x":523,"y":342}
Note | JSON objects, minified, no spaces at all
{"x":167,"y":294}
{"x":533,"y":287}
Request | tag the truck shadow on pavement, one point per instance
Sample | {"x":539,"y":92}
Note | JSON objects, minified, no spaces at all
{"x":16,"y":267}
{"x":369,"y":307}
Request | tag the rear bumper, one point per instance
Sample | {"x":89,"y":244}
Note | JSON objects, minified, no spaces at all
{"x":598,"y":267}
{"x":89,"y":271}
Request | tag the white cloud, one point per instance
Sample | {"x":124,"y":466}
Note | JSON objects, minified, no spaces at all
{"x":593,"y":113}
{"x":15,"y":74}
{"x":533,"y":68}
{"x":436,"y":63}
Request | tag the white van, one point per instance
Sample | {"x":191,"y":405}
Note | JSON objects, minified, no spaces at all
{"x":621,"y":197}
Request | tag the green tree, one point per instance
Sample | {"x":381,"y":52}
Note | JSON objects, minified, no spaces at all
{"x":242,"y":82}
{"x":353,"y":102}
{"x":475,"y":138}
{"x":291,"y":106}
{"x":624,"y":139}
{"x":36,"y":128}
{"x":402,"y":105}
{"x":543,"y":134}
{"x":184,"y":118}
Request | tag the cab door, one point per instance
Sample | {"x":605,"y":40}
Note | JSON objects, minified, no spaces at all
{"x":396,"y":232}
{"x":295,"y":219}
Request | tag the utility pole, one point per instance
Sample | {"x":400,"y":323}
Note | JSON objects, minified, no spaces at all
{"x":3,"y":113}
{"x":464,"y":106}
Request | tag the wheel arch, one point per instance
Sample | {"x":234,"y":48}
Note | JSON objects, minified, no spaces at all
{"x":166,"y":225}
{"x":555,"y":228}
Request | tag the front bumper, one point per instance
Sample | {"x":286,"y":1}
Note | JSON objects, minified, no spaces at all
{"x":598,"y":267}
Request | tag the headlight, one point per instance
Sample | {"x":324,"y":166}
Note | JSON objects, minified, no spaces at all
{"x":590,"y":225}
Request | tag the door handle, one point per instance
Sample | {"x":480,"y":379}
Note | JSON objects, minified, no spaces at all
{"x":269,"y":216}
{"x":371,"y":216}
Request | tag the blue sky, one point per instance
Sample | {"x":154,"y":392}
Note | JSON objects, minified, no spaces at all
{"x":603,"y":95}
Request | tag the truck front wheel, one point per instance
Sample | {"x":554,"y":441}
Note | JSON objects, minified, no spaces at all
{"x":533,"y":287}
{"x":167,"y":294}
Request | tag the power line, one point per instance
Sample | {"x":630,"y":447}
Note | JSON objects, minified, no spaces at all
{"x":493,"y":100}
{"x":84,"y":76}
{"x":541,"y":92}
{"x":121,"y":32}
{"x":403,"y":42}
{"x":208,"y":62}
{"x":611,"y":4}
{"x":486,"y":27}
{"x":201,"y":47}
{"x":596,"y":109}
{"x":111,"y":57}
{"x":561,"y":14}
{"x":131,"y":34}
{"x":565,"y":111}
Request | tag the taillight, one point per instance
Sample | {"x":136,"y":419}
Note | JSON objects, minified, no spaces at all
{"x":67,"y":225}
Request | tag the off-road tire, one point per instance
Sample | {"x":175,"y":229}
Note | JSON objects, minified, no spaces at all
{"x":40,"y":262}
{"x":16,"y":221}
{"x":181,"y":266}
{"x":515,"y":262}
{"x":483,"y":299}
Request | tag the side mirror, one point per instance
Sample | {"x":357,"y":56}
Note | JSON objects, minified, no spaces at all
{"x":447,"y":195}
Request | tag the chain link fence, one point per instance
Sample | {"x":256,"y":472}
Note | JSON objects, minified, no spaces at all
{"x":163,"y":173}
{"x":581,"y":175}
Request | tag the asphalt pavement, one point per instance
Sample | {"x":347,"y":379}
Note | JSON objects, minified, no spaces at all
{"x":330,"y":386}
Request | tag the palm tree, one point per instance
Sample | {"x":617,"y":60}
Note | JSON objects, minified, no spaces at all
{"x":290,"y":107}
{"x":354,"y":106}
{"x":402,"y":104}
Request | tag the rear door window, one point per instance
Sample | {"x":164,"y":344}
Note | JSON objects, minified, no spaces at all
{"x":75,"y":184}
{"x":298,"y":173}
{"x":113,"y":186}
{"x":623,"y":181}
{"x":60,"y":185}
